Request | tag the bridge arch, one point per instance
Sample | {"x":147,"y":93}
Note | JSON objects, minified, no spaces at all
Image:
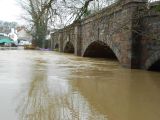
{"x":68,"y":47}
{"x":56,"y":46}
{"x":99,"y":49}
{"x":153,"y":62}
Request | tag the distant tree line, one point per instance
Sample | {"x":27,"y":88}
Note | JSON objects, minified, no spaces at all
{"x":5,"y":27}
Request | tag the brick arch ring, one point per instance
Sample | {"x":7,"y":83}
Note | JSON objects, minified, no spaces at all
{"x":151,"y":60}
{"x":115,"y":51}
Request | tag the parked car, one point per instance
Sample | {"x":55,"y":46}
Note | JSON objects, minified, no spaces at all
{"x":24,"y":42}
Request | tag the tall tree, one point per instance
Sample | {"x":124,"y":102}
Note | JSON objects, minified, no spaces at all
{"x":38,"y":13}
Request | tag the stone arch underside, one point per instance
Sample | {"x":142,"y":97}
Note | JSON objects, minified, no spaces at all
{"x":153,"y":62}
{"x":69,"y":48}
{"x":99,"y":49}
{"x":56,"y":46}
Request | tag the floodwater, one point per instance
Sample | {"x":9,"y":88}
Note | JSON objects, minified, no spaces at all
{"x":41,"y":85}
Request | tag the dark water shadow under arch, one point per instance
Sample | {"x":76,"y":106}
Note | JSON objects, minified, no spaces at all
{"x":98,"y":49}
{"x":153,"y":62}
{"x":69,"y":48}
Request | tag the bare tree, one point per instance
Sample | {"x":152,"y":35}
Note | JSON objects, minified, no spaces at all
{"x":38,"y":14}
{"x":72,"y":10}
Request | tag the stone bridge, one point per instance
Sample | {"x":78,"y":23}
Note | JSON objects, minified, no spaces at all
{"x":127,"y":30}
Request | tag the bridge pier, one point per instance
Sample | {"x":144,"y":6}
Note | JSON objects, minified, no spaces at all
{"x":60,"y":41}
{"x":77,"y":33}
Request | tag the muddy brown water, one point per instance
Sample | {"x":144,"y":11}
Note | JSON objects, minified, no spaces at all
{"x":41,"y":85}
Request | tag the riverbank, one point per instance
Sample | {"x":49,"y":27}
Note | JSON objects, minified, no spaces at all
{"x":12,"y":48}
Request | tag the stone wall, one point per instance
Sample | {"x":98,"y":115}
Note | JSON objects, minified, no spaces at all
{"x":112,"y":26}
{"x":150,"y":41}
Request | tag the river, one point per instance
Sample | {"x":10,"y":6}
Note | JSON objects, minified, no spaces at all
{"x":47,"y":85}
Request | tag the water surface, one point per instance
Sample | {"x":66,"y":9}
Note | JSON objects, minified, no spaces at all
{"x":40,"y":85}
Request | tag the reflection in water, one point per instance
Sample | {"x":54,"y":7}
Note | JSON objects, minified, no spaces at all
{"x":40,"y":103}
{"x":54,"y":86}
{"x":36,"y":105}
{"x":122,"y":94}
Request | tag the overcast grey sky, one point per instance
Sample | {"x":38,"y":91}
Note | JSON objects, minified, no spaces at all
{"x":10,"y":11}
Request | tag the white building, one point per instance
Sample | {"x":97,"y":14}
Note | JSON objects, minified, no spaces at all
{"x":24,"y":37}
{"x":13,"y":36}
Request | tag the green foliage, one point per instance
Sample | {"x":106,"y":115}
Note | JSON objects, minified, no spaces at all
{"x":86,"y":13}
{"x":157,"y":8}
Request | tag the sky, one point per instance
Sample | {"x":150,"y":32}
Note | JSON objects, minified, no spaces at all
{"x":10,"y":11}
